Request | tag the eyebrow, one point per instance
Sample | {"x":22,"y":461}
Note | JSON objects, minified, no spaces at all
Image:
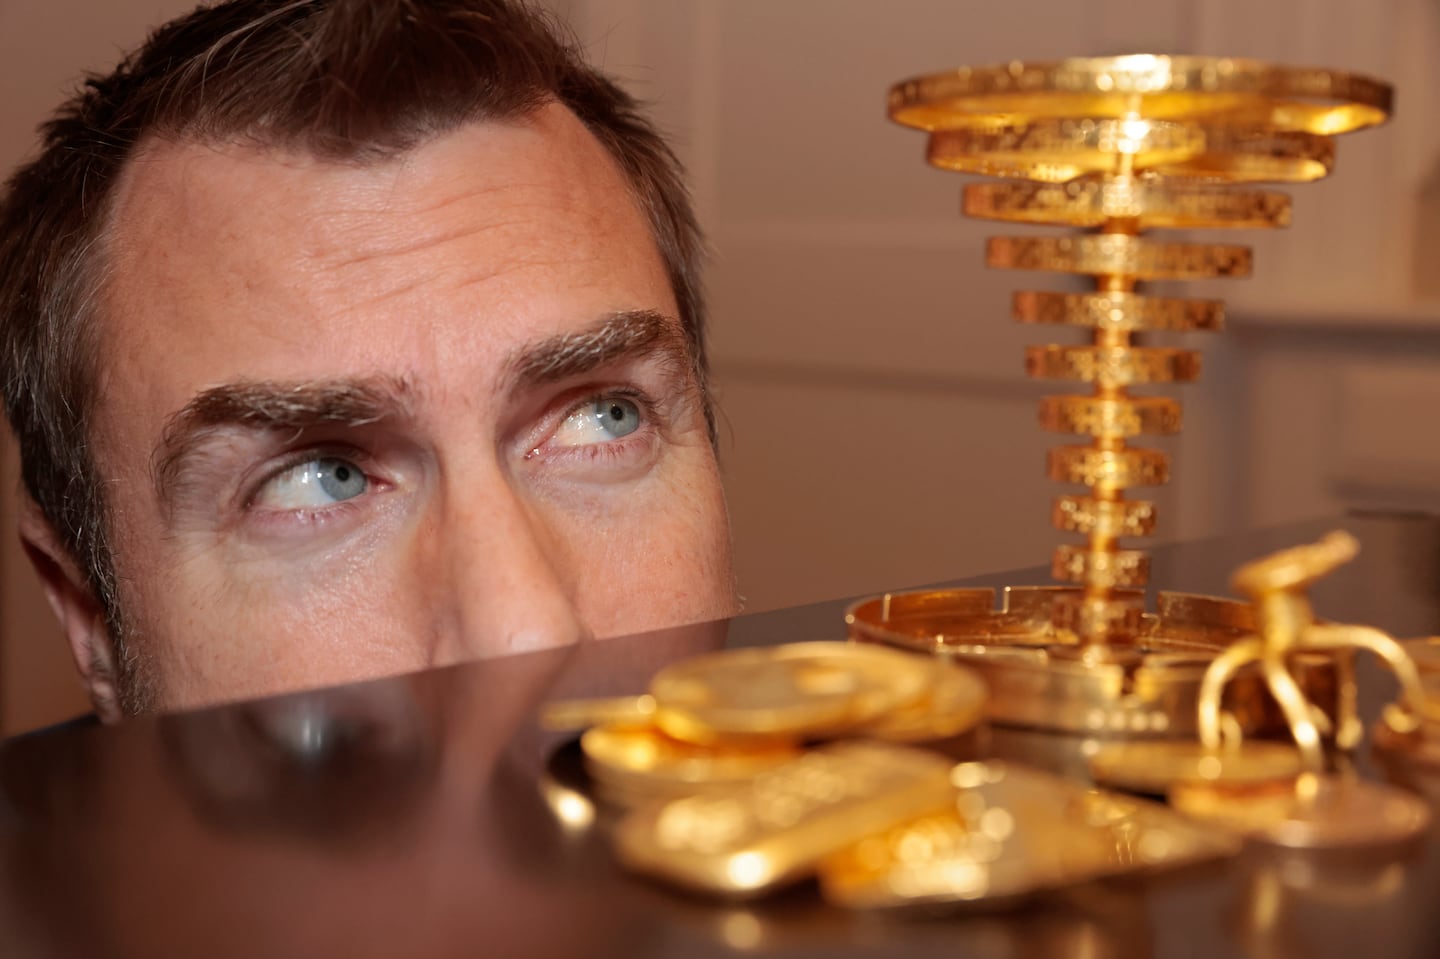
{"x":355,"y":402}
{"x":628,"y":334}
{"x":268,"y":405}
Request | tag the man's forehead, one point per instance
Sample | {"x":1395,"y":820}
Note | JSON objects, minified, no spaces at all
{"x":238,"y":263}
{"x":215,"y":182}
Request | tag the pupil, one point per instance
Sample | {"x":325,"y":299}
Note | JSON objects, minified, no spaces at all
{"x":617,"y":413}
{"x":342,"y":473}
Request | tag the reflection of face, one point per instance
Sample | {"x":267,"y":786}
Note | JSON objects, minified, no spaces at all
{"x":367,"y":418}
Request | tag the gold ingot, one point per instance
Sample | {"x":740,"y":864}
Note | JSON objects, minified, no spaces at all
{"x":1118,"y":254}
{"x":643,"y":759}
{"x":1115,"y":469}
{"x":1155,"y":767}
{"x":1057,"y":151}
{"x":1110,"y":519}
{"x":798,"y":690}
{"x":1112,"y":366}
{"x":1063,"y":149}
{"x":1312,"y":812}
{"x":1118,"y":311}
{"x":1123,"y":568}
{"x":1152,"y":204}
{"x":774,"y":829}
{"x":1211,"y":89}
{"x":1110,"y":417}
{"x":1011,"y":832}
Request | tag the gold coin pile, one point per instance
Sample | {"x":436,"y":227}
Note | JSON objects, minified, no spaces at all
{"x":746,"y":770}
{"x":722,"y":718}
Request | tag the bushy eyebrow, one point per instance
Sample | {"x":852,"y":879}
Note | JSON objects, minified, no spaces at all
{"x":624,"y":335}
{"x":269,"y":405}
{"x":265,"y":405}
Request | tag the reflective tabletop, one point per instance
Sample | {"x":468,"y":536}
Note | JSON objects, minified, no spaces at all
{"x":429,"y":815}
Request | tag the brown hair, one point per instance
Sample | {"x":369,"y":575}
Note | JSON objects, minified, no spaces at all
{"x":347,"y":80}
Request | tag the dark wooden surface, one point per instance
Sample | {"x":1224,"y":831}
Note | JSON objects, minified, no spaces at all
{"x":404,"y":818}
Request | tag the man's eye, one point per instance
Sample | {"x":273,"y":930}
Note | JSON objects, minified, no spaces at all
{"x":313,"y":484}
{"x":605,"y":419}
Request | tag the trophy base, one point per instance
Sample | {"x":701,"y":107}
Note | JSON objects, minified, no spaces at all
{"x":1041,"y":677}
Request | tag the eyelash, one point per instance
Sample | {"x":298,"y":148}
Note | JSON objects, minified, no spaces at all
{"x":649,"y":416}
{"x":309,"y":454}
{"x":611,"y":451}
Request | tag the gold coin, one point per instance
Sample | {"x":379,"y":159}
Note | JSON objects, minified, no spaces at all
{"x":1107,"y":416}
{"x":1113,"y":365}
{"x":1312,"y":812}
{"x":1108,"y":569}
{"x":1119,"y":469}
{"x":1118,"y":254}
{"x":1155,"y":767}
{"x":1057,"y":151}
{"x":1257,"y":155}
{"x":1109,"y":518}
{"x":1211,"y":88}
{"x":954,"y":705}
{"x":1151,"y":202}
{"x":1063,"y":149}
{"x":646,"y":757}
{"x":774,"y":829}
{"x":1118,"y":311}
{"x":796,"y":690}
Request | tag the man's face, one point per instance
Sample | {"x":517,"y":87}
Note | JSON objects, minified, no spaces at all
{"x":359,"y":419}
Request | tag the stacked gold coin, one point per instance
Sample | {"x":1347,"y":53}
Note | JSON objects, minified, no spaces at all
{"x":724,"y":718}
{"x":745,"y":770}
{"x":1122,"y":146}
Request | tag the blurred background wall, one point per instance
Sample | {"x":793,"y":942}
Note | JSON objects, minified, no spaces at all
{"x":878,"y":430}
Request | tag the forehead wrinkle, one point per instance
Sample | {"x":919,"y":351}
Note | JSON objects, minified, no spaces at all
{"x":630,"y":333}
{"x":269,"y":405}
{"x":433,"y":240}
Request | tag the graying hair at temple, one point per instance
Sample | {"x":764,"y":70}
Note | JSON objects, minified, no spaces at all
{"x":350,"y":81}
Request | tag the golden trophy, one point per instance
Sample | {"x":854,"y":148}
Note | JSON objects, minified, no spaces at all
{"x":1120,"y":147}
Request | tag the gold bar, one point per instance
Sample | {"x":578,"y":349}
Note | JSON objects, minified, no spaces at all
{"x":776,"y":828}
{"x":1012,"y":832}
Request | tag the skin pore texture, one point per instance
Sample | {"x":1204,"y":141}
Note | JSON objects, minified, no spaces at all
{"x":362,"y":419}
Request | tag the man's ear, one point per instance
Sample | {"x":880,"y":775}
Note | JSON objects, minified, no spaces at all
{"x":76,"y":607}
